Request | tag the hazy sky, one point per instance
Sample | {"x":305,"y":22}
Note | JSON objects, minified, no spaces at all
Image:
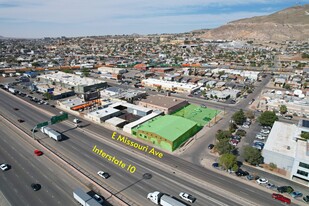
{"x":54,"y":18}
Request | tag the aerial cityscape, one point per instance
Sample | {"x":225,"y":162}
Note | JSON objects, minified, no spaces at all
{"x":172,"y":103}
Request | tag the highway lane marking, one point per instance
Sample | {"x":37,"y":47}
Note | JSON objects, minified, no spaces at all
{"x":3,"y":200}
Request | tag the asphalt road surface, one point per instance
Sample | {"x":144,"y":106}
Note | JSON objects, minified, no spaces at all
{"x":26,"y":168}
{"x":169,"y":174}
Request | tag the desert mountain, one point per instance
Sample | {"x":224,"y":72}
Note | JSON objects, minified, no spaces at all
{"x":288,"y":24}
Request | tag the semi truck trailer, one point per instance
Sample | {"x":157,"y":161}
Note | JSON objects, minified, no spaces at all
{"x":163,"y":199}
{"x":51,"y":133}
{"x":83,"y":198}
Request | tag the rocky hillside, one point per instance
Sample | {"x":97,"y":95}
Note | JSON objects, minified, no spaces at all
{"x":288,"y":24}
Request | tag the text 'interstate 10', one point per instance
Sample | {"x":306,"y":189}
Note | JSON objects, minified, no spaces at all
{"x":113,"y":159}
{"x":136,"y":145}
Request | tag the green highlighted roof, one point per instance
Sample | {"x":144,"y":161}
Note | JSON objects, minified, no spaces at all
{"x":168,"y":126}
{"x":198,"y":114}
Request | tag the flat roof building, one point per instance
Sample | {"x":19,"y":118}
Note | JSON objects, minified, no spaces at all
{"x":285,"y":148}
{"x":165,"y":104}
{"x":79,"y":84}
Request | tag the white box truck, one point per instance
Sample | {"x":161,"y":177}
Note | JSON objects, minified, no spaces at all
{"x":83,"y":198}
{"x":163,"y":199}
{"x":51,"y":133}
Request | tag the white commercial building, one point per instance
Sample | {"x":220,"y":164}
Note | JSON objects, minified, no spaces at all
{"x":112,"y":70}
{"x":288,"y":151}
{"x":169,"y":85}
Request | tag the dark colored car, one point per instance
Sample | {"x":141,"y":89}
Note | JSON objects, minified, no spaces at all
{"x":35,"y":187}
{"x":241,"y":173}
{"x":281,"y":198}
{"x":250,"y":177}
{"x":210,"y":146}
{"x":21,"y":120}
{"x":306,"y":198}
{"x":215,"y":165}
{"x":285,"y":189}
{"x":15,"y":108}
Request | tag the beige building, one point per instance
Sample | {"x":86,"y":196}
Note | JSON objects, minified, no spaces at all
{"x":165,"y":104}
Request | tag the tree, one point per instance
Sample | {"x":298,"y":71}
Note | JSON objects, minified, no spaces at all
{"x":227,"y":161}
{"x":232,"y":127}
{"x":224,"y":147}
{"x":239,"y":117}
{"x":267,"y":118}
{"x":283,"y":109}
{"x":249,"y":114}
{"x":249,"y":91}
{"x":241,"y":133}
{"x":305,"y":135}
{"x":252,"y":155}
{"x":48,"y":95}
{"x":223,"y":134}
{"x":287,"y":86}
{"x":85,"y":72}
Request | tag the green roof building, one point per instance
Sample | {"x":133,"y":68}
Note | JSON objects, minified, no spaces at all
{"x":167,"y":132}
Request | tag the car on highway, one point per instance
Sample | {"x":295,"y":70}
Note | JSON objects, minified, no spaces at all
{"x":21,"y":120}
{"x":38,"y":152}
{"x":296,"y":194}
{"x":262,"y":181}
{"x":187,"y":197}
{"x":16,"y":109}
{"x":281,"y":198}
{"x":35,"y":186}
{"x":4,"y":167}
{"x":104,"y":175}
{"x":98,"y":198}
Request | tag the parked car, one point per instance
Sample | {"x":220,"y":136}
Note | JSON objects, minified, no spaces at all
{"x":285,"y":189}
{"x":245,"y":126}
{"x":250,"y":177}
{"x":215,"y":165}
{"x":296,"y":194}
{"x":211,"y":146}
{"x":262,"y":181}
{"x":234,"y":142}
{"x":289,"y":117}
{"x":187,"y":197}
{"x":281,"y":198}
{"x":271,"y":186}
{"x":38,"y":152}
{"x":260,"y":136}
{"x":306,"y":198}
{"x":104,"y":175}
{"x":240,"y":173}
{"x":265,"y":131}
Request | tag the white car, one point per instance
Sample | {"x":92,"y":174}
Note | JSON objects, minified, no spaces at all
{"x":76,"y":121}
{"x":259,"y":136}
{"x":187,"y":197}
{"x":4,"y":167}
{"x":265,"y":131}
{"x":245,"y":126}
{"x":262,"y":181}
{"x":98,"y":198}
{"x":104,"y":175}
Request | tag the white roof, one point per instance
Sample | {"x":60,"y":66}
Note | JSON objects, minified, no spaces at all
{"x":170,"y":84}
{"x":103,"y":112}
{"x":70,"y":79}
{"x":280,"y":139}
